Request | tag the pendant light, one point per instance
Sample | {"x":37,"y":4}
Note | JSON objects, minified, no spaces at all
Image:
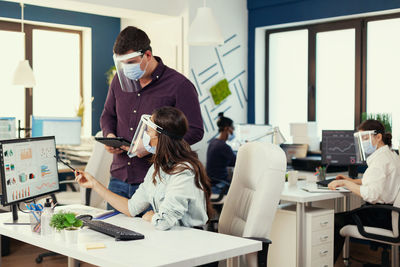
{"x":23,"y":74}
{"x":204,"y":29}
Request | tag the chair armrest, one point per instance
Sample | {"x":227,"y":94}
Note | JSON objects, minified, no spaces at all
{"x":364,"y":233}
{"x":262,"y":254}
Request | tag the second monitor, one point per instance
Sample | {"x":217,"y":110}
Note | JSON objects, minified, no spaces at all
{"x":338,"y":149}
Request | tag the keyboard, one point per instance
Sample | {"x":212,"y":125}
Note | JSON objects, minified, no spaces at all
{"x":112,"y":230}
{"x":325,"y":182}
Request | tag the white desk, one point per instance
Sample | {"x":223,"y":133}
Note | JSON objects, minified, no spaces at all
{"x":178,"y":247}
{"x":301,"y":197}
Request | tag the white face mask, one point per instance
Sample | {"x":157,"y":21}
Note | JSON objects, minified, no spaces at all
{"x":146,"y":143}
{"x":369,"y":148}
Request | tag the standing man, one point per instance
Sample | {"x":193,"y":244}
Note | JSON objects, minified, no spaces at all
{"x":142,"y":84}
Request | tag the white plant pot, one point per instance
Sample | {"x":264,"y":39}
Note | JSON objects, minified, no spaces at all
{"x":59,"y":235}
{"x":71,"y":235}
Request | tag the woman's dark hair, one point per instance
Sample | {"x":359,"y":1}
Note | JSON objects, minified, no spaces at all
{"x":174,"y":154}
{"x":131,"y":38}
{"x":223,"y":122}
{"x":377,"y":126}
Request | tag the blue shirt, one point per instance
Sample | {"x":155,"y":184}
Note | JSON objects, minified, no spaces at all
{"x":219,"y":157}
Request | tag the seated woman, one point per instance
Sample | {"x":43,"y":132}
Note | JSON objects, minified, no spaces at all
{"x":380,"y":183}
{"x":220,"y":155}
{"x":176,"y":185}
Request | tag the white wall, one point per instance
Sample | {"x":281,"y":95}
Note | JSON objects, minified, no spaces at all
{"x":166,"y":38}
{"x":226,"y":61}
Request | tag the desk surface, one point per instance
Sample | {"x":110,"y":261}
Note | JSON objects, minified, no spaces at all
{"x":296,"y":194}
{"x":178,"y":247}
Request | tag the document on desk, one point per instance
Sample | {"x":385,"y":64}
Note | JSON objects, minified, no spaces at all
{"x":313,"y":188}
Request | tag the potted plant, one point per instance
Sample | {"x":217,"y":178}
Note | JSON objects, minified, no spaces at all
{"x":66,"y":223}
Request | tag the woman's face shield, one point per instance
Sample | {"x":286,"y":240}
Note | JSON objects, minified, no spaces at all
{"x":145,"y":133}
{"x":364,"y":144}
{"x":129,"y":71}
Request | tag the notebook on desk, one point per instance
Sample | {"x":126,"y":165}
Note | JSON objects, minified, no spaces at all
{"x":314,"y":188}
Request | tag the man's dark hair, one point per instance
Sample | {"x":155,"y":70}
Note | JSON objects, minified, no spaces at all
{"x":131,"y":38}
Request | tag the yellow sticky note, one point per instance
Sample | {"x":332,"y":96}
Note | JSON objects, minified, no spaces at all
{"x":95,"y":246}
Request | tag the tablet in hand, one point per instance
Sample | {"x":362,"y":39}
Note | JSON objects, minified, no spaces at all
{"x":115,"y":142}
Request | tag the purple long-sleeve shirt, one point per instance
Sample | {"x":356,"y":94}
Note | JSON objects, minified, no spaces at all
{"x":122,"y":112}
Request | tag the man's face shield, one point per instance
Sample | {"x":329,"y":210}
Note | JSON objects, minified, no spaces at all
{"x":364,"y":144}
{"x":129,"y":71}
{"x":146,"y":131}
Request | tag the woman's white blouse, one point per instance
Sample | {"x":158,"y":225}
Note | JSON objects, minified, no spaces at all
{"x":175,"y":199}
{"x":381,"y":180}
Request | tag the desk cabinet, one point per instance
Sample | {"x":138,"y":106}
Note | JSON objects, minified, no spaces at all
{"x":319,"y":238}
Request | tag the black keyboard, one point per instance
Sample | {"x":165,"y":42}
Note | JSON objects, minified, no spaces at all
{"x":112,"y":230}
{"x":325,"y":182}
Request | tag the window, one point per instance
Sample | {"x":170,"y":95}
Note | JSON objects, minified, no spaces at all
{"x":383,"y":80}
{"x":12,"y":103}
{"x":56,"y":61}
{"x":352,"y":68}
{"x":56,"y":57}
{"x":335,"y":57}
{"x":288,"y":58}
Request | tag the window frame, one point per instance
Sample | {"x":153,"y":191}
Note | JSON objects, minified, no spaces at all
{"x":28,"y":30}
{"x":360,"y":87}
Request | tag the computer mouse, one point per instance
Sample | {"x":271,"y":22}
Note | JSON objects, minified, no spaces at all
{"x":85,"y":217}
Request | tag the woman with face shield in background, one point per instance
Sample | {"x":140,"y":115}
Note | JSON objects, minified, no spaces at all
{"x":380,"y":183}
{"x":176,"y":186}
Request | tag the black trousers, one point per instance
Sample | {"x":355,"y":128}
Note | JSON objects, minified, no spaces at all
{"x":372,"y":217}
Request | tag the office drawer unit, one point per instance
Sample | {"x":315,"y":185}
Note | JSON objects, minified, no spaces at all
{"x":319,"y":237}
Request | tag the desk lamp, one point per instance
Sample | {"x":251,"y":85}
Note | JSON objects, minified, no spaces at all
{"x":277,"y":138}
{"x":23,"y":74}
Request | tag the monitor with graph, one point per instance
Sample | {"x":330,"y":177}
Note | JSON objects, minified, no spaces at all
{"x":28,"y":169}
{"x":7,"y":128}
{"x":67,"y":131}
{"x":338,"y":148}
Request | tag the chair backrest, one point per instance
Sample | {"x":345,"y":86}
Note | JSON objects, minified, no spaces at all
{"x":254,"y":194}
{"x":99,"y":167}
{"x":395,"y":216}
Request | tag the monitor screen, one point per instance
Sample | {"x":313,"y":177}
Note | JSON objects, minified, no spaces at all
{"x":67,"y":131}
{"x":338,"y":148}
{"x":7,"y":128}
{"x":28,"y":168}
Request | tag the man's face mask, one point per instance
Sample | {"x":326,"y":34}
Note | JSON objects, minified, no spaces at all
{"x":133,"y":70}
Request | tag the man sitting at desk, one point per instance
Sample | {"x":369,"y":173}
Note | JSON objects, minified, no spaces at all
{"x":176,"y":185}
{"x":380,"y":183}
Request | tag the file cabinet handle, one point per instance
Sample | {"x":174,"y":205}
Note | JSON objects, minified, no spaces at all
{"x":323,"y":252}
{"x":324,"y":238}
{"x":325,"y":223}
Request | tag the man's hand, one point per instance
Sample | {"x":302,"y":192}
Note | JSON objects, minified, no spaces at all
{"x":148,"y":216}
{"x":111,"y":149}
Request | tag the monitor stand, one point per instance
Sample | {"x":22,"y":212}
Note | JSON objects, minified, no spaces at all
{"x":353,"y":173}
{"x":14,"y":210}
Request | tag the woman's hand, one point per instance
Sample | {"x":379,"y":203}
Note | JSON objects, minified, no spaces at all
{"x":343,"y":177}
{"x":85,"y":179}
{"x":337,"y":183}
{"x":148,"y":216}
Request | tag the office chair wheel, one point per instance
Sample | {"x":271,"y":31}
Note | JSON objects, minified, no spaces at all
{"x":39,"y":259}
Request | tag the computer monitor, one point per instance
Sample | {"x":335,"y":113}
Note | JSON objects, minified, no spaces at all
{"x":28,"y":169}
{"x":338,"y":149}
{"x":67,"y":131}
{"x":7,"y":128}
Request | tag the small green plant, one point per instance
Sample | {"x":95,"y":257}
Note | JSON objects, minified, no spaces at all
{"x":220,"y":91}
{"x":384,"y":118}
{"x":110,"y":74}
{"x":64,"y":220}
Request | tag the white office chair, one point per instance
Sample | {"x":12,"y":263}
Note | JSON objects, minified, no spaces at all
{"x":375,"y":234}
{"x":253,"y":197}
{"x":99,"y":167}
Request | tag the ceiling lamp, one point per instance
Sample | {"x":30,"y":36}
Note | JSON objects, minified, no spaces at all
{"x":204,"y":29}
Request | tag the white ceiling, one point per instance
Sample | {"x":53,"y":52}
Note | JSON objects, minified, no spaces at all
{"x":157,"y":9}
